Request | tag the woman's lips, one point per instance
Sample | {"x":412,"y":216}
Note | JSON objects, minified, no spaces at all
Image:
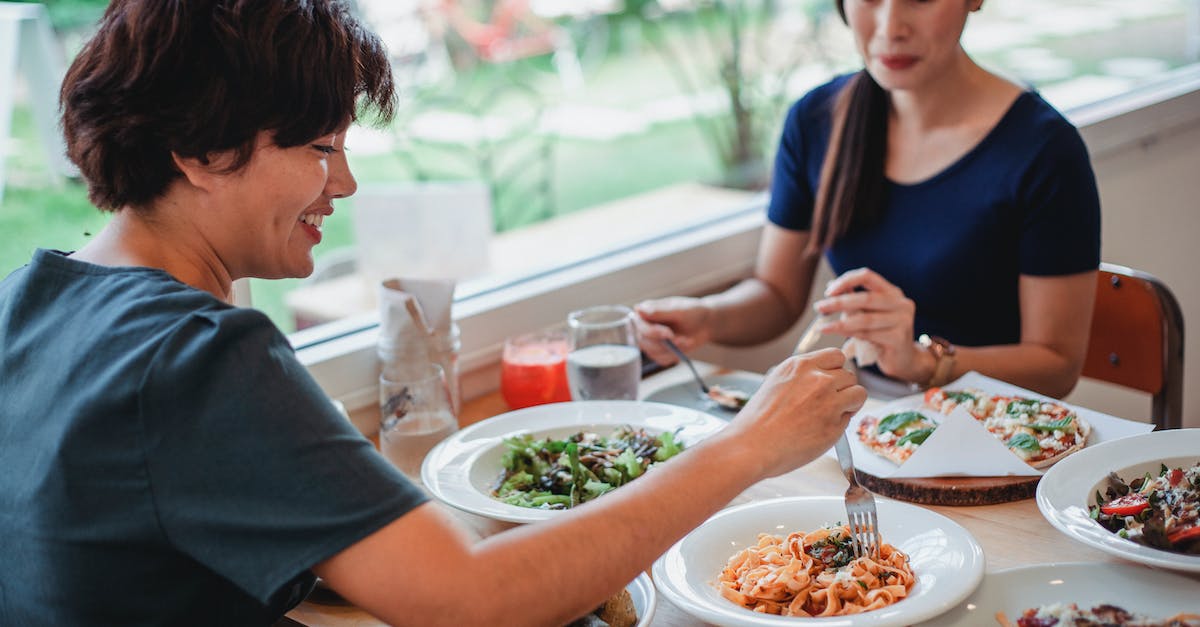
{"x":897,"y":61}
{"x":312,"y":231}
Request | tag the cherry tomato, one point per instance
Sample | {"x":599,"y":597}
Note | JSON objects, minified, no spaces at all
{"x":1187,"y":533}
{"x":1127,"y":505}
{"x":1175,"y":476}
{"x":930,"y":394}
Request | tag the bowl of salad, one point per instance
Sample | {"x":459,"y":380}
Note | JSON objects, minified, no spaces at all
{"x":1136,"y":497}
{"x":532,"y":464}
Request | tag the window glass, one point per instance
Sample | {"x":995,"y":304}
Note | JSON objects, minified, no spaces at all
{"x":649,"y":115}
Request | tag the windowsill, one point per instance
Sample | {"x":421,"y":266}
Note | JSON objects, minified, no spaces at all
{"x":718,"y":248}
{"x":534,"y":251}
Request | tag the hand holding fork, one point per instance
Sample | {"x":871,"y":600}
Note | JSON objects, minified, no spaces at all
{"x":860,"y":504}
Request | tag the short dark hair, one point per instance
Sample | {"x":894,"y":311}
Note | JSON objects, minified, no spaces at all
{"x":195,"y":77}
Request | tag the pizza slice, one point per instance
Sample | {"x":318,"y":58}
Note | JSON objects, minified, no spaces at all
{"x":1040,"y":432}
{"x":895,"y":436}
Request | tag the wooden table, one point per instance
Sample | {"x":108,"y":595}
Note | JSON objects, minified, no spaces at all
{"x":1011,"y":534}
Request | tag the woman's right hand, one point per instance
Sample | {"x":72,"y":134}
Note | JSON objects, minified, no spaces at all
{"x":681,"y":319}
{"x":800,"y":410}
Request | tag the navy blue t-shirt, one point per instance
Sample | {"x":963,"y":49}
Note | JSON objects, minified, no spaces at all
{"x":166,"y":459}
{"x":1022,"y":201}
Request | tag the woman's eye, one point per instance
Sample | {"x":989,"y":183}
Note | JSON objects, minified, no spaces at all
{"x":329,"y":150}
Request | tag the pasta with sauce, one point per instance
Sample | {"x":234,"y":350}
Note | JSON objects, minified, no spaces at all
{"x":814,"y":574}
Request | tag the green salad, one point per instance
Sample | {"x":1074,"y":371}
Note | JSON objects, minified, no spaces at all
{"x":560,"y":474}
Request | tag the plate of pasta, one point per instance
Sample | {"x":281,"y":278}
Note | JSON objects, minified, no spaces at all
{"x":1051,"y":589}
{"x":532,"y":464}
{"x":789,"y":555}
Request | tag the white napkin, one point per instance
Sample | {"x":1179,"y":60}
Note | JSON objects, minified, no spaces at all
{"x":863,"y":353}
{"x":960,"y":446}
{"x":414,"y":308}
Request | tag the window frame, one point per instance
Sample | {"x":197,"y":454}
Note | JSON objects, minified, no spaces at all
{"x":694,"y":259}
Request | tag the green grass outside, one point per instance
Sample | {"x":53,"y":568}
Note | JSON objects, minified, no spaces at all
{"x":38,"y":213}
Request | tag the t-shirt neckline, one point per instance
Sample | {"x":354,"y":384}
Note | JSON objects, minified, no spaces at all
{"x":979,"y":147}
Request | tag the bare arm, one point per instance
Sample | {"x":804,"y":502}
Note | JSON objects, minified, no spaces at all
{"x":1056,"y":319}
{"x":756,"y":310}
{"x":768,"y":304}
{"x":422,"y":569}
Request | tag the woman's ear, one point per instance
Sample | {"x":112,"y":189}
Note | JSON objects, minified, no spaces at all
{"x":203,"y":172}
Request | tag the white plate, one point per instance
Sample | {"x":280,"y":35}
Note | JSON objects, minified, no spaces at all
{"x":1069,"y":487}
{"x":1135,"y":588}
{"x":462,"y":469}
{"x":645,"y":599}
{"x":687,"y":393}
{"x":945,"y":558}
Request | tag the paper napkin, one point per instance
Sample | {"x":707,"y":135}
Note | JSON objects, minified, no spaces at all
{"x":961,"y":447}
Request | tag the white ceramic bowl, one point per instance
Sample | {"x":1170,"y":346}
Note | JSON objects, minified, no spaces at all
{"x":1068,"y":489}
{"x":464,"y":467}
{"x":945,"y":558}
{"x":1131,"y":587}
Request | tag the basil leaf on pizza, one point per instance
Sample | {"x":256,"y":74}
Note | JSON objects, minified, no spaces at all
{"x":1040,"y":432}
{"x":899,"y":421}
{"x":895,"y":436}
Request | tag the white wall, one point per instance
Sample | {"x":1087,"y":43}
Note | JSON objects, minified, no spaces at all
{"x":1150,"y":195}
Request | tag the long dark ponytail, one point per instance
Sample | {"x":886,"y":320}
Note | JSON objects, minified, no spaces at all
{"x":851,"y":190}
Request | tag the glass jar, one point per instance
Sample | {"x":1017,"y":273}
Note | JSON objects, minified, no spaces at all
{"x":414,"y":352}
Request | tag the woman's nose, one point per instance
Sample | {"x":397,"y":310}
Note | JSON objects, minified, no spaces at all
{"x":892,"y":19}
{"x":341,"y":181}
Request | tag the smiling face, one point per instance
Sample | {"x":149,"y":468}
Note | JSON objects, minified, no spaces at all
{"x":269,"y":213}
{"x":906,"y":44}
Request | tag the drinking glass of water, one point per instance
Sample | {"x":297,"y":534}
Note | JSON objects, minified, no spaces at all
{"x":416,"y":415}
{"x":604,"y":361}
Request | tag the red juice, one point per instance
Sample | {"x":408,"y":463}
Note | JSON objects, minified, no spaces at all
{"x":533,"y":371}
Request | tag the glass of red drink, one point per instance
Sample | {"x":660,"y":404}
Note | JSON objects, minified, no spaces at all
{"x":533,"y":369}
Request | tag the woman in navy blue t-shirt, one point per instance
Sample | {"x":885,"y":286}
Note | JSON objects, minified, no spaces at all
{"x":954,"y":206}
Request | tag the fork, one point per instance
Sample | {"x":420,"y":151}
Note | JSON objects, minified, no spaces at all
{"x":688,"y":362}
{"x":860,"y":507}
{"x":811,"y":334}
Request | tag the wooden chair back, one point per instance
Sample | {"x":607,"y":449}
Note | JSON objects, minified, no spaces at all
{"x":1136,"y":340}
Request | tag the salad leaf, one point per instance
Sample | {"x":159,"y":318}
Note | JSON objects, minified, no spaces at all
{"x":628,"y":463}
{"x":669,"y":447}
{"x":559,"y":473}
{"x":577,"y":478}
{"x":518,"y":481}
{"x":594,"y":488}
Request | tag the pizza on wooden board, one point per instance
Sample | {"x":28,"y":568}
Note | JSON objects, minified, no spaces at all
{"x":1040,"y":432}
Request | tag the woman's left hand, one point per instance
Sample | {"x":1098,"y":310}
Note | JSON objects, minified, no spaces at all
{"x":874,"y":310}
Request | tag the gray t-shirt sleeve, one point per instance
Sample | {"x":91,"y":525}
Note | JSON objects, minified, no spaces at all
{"x":252,"y":472}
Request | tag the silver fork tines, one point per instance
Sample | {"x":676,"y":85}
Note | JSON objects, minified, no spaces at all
{"x":860,"y":507}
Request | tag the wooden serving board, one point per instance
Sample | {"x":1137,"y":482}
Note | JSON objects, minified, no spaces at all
{"x":952,"y":490}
